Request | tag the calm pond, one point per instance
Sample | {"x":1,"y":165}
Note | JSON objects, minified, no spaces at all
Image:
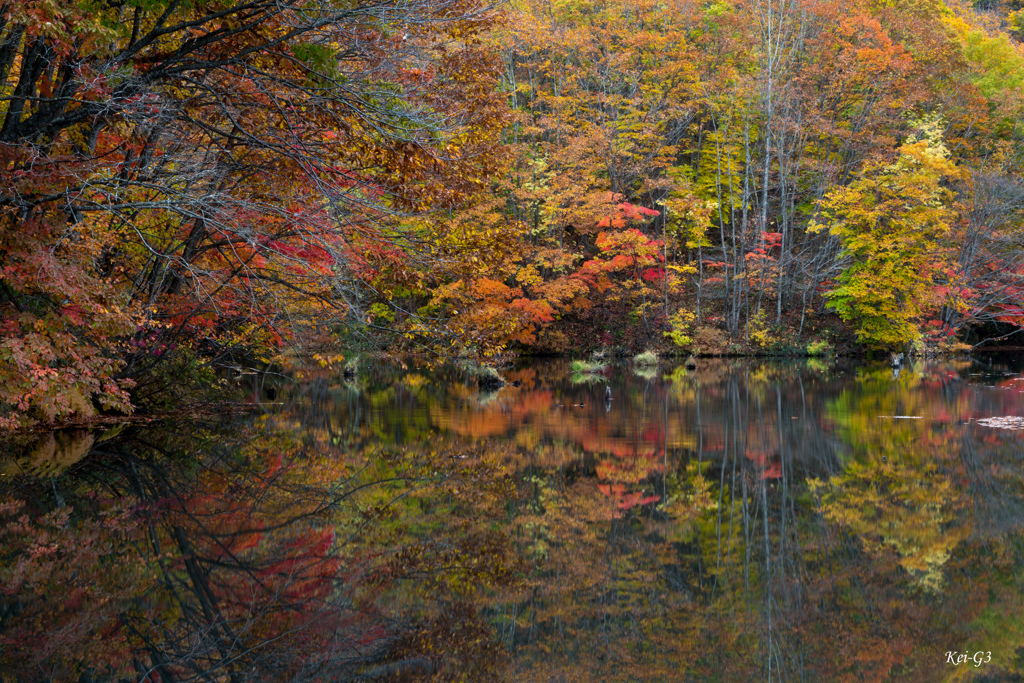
{"x":744,"y":520}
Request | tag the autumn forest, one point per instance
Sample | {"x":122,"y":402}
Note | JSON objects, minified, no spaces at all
{"x":340,"y":338}
{"x":202,"y":184}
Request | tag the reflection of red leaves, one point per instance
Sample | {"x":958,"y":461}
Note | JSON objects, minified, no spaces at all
{"x":305,"y":568}
{"x":769,"y":463}
{"x":633,"y":500}
{"x":772,"y":470}
{"x":626,"y":500}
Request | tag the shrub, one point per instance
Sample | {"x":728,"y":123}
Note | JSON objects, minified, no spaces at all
{"x":586,"y":366}
{"x":709,"y":340}
{"x":680,"y":327}
{"x":646,"y":358}
{"x":759,"y":332}
{"x":819,"y":348}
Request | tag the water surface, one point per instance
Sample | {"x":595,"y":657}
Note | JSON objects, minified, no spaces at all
{"x":799,"y":520}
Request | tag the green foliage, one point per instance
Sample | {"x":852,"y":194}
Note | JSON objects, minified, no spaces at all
{"x":382,"y":312}
{"x":321,"y":60}
{"x":821,"y":347}
{"x":647,"y":358}
{"x":587,"y":366}
{"x":997,"y":61}
{"x":588,"y":371}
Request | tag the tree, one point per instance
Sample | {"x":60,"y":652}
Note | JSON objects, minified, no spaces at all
{"x":891,"y":220}
{"x":989,"y":266}
{"x":179,"y":174}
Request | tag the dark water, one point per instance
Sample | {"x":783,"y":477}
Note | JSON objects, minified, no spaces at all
{"x":739,"y":521}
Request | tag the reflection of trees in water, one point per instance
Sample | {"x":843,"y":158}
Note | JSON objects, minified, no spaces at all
{"x":842,"y":580}
{"x":231,"y":560}
{"x":761,"y":579}
{"x":673,"y":536}
{"x":238,"y":555}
